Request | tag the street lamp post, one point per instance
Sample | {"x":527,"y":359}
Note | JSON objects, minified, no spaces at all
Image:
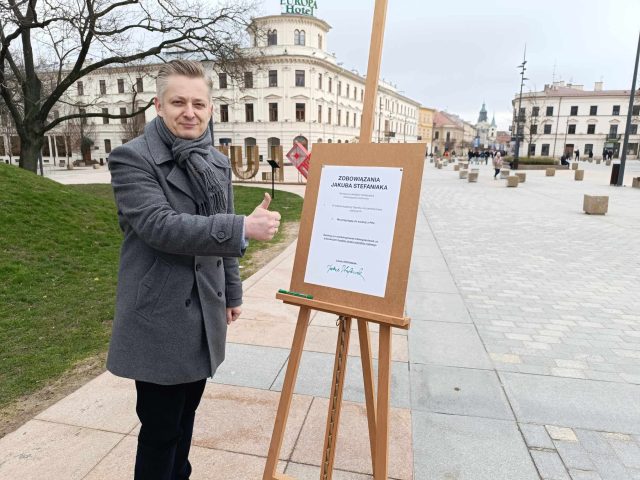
{"x":516,"y":156}
{"x":625,"y":143}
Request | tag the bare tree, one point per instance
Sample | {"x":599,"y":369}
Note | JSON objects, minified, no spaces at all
{"x":47,"y":46}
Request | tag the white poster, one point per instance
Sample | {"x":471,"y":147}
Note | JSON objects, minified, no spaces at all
{"x":353,"y":228}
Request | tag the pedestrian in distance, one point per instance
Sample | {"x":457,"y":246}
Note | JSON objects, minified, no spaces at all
{"x":179,"y":284}
{"x":497,"y":165}
{"x":577,"y":153}
{"x":590,"y":153}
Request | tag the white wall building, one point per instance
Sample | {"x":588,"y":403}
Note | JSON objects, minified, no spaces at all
{"x":564,"y":118}
{"x":299,"y":91}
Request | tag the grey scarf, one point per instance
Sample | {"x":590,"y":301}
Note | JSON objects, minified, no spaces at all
{"x":194,"y":157}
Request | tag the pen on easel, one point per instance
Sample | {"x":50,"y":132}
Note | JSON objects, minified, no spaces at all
{"x":295,"y":294}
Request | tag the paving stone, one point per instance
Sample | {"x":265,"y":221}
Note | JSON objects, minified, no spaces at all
{"x":609,"y":468}
{"x":536,"y":436}
{"x":448,"y":344}
{"x":469,"y":448}
{"x":574,"y":455}
{"x":443,"y":307}
{"x":460,"y":391}
{"x":561,"y":433}
{"x":549,"y":465}
{"x":584,"y":475}
{"x":251,"y":366}
{"x":576,"y":403}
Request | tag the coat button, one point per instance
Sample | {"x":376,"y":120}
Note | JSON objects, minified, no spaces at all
{"x":219,"y":294}
{"x":219,"y":263}
{"x":198,"y":267}
{"x":221,"y":235}
{"x":187,"y":302}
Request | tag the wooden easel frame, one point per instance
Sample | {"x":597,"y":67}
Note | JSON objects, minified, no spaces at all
{"x":387,"y":312}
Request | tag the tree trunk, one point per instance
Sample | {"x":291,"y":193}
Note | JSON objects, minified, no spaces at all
{"x":30,"y":147}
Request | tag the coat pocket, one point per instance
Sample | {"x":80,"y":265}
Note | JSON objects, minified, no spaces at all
{"x":151,"y":287}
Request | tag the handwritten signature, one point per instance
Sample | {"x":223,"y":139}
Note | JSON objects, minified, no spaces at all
{"x":348,"y":270}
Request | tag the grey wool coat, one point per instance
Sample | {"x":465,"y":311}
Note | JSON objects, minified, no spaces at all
{"x":178,"y":270}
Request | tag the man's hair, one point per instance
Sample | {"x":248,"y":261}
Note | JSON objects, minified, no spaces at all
{"x":185,"y":68}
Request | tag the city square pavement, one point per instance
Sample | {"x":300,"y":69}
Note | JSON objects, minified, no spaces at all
{"x":522,"y":360}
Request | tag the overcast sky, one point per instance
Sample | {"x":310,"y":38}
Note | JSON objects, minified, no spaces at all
{"x":454,"y":54}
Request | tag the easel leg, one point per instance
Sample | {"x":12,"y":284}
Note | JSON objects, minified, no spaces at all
{"x":335,"y":399}
{"x":286,"y":394}
{"x":381,"y":470}
{"x":369,"y":387}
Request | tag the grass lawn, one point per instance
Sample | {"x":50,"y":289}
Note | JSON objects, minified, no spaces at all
{"x":59,"y":248}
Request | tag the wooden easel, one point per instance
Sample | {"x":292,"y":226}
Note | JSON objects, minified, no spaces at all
{"x":387,"y":311}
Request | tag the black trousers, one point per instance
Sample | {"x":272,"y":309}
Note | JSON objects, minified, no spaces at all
{"x":166,"y":413}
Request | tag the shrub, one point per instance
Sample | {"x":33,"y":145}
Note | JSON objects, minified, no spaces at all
{"x":534,"y":161}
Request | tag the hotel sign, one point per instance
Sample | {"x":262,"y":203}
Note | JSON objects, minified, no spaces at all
{"x":299,"y":7}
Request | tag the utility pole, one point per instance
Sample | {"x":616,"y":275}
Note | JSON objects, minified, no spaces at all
{"x":516,"y":157}
{"x":625,"y":143}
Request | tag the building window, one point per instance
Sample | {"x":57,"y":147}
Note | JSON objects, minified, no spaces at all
{"x":273,"y":112}
{"x":593,"y":110}
{"x":339,"y":117}
{"x":591,"y":129}
{"x":346,"y":118}
{"x":105,"y":120}
{"x":355,"y":92}
{"x":574,"y":110}
{"x":535,"y":111}
{"x":533,"y":129}
{"x":613,"y":130}
{"x":46,"y":150}
{"x":545,"y":150}
{"x":107,"y":145}
{"x":298,"y":37}
{"x":222,"y":78}
{"x":532,"y":149}
{"x":61,"y":146}
{"x":547,"y":129}
{"x":299,"y":78}
{"x":362,"y":95}
{"x":549,"y":112}
{"x":248,"y":79}
{"x":123,"y":111}
{"x":330,"y":85}
{"x":616,"y":110}
{"x":80,"y":88}
{"x":633,"y":130}
{"x":437,"y":136}
{"x":635,"y":111}
{"x":320,"y":41}
{"x":273,"y":78}
{"x":588,"y":147}
{"x":103,"y":87}
{"x":354,"y":119}
{"x":572,"y":129}
{"x":248,"y":112}
{"x":139,"y":85}
{"x":347,"y":95}
{"x":329,"y":116}
{"x":272,"y":38}
{"x":224,"y":113}
{"x":319,"y":113}
{"x":300,"y":107}
{"x":121,"y":85}
{"x":319,"y":81}
{"x":339,"y":88}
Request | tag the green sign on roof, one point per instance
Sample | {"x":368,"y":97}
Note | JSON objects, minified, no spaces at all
{"x":299,"y":7}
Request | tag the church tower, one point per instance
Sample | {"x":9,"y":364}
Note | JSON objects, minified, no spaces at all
{"x":483,"y":114}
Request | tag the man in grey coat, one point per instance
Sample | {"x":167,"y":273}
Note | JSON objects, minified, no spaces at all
{"x":179,"y":284}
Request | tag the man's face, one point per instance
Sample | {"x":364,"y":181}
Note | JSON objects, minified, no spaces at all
{"x":185,"y":106}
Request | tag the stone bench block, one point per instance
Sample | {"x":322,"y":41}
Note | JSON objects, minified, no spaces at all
{"x":635,"y":183}
{"x":578,"y":175}
{"x":473,"y":176}
{"x":463,"y":173}
{"x":608,"y":163}
{"x":574,"y":166}
{"x":598,"y":161}
{"x":595,"y":204}
{"x":551,"y":172}
{"x":513,"y":181}
{"x":439,"y":165}
{"x":96,"y":166}
{"x":522,"y":177}
{"x":504,"y":174}
{"x":456,"y":168}
{"x":591,"y":160}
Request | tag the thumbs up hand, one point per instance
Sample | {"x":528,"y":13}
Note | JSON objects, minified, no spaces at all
{"x":262,"y":224}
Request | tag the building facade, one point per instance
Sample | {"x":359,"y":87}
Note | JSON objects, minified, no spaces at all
{"x":448,"y":134}
{"x":564,"y":118}
{"x":425,"y":127}
{"x":296,"y":91}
